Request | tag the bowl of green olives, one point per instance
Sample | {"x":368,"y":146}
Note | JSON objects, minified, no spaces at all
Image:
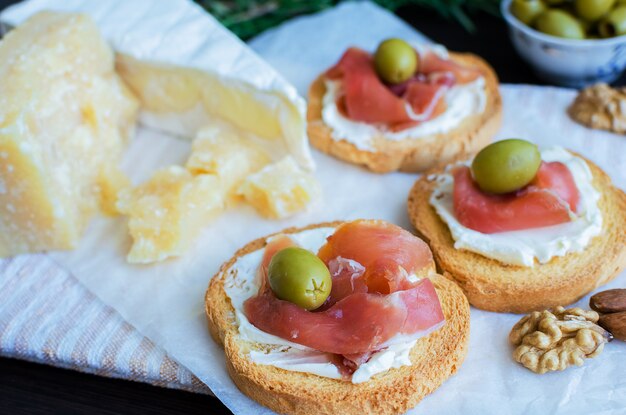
{"x":571,"y":43}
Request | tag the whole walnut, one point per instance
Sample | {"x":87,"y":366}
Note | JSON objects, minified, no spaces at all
{"x":557,"y":339}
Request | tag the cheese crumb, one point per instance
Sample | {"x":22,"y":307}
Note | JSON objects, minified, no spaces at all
{"x":226,"y":155}
{"x":280,"y":189}
{"x":167,"y":213}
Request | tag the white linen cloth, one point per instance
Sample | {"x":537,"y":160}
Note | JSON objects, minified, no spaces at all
{"x":47,"y":316}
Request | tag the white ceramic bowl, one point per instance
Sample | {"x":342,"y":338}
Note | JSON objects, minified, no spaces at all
{"x":567,"y":62}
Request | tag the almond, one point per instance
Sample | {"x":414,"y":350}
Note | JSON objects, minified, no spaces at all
{"x":610,"y":301}
{"x":615,"y":323}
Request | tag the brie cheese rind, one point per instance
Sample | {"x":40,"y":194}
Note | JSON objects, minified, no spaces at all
{"x":64,"y":121}
{"x":181,"y":62}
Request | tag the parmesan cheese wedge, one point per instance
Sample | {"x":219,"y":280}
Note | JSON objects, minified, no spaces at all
{"x":188,"y":70}
{"x":64,"y":120}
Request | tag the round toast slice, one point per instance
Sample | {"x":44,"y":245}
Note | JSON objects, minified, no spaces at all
{"x":413,"y":154}
{"x":434,"y":358}
{"x":495,"y":286}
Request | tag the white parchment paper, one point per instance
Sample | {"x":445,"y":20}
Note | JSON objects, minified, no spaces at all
{"x":165,"y":301}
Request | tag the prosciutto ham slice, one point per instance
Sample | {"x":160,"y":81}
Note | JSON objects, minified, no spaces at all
{"x":359,"y":323}
{"x":361,"y":317}
{"x":431,"y":63}
{"x":427,"y":102}
{"x":556,"y":177}
{"x":386,"y":255}
{"x":278,"y":243}
{"x":367,"y":99}
{"x":550,"y":199}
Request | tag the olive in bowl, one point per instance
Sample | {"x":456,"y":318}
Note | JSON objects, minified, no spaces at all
{"x":578,"y":60}
{"x":559,"y":23}
{"x":614,"y":23}
{"x":527,"y":11}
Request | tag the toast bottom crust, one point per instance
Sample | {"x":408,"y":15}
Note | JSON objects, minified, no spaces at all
{"x":434,"y":358}
{"x":412,"y":155}
{"x":494,"y":286}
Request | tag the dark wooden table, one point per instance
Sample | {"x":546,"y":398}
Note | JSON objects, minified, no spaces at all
{"x":28,"y":388}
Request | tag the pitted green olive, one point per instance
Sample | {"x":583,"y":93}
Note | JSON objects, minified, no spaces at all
{"x":395,"y":61}
{"x":299,"y":276}
{"x":506,"y":166}
{"x":527,"y":10}
{"x":559,"y":23}
{"x":614,"y":24}
{"x":592,"y":10}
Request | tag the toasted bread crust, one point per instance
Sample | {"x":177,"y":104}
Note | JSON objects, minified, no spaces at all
{"x":412,"y":155}
{"x":435,"y":358}
{"x":494,"y":286}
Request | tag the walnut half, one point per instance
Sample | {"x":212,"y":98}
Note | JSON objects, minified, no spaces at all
{"x":602,"y":107}
{"x":555,"y":340}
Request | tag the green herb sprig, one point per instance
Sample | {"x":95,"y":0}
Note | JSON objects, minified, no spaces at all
{"x":247,"y":18}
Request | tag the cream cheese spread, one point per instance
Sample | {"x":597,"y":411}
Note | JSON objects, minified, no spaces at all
{"x":242,"y":283}
{"x":523,"y":247}
{"x":462,"y":101}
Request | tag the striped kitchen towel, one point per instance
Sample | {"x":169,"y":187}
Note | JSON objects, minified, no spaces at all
{"x":48,"y":316}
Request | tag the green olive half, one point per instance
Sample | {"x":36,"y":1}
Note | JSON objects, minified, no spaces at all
{"x":614,"y":24}
{"x":559,"y":23}
{"x":592,"y":10}
{"x":299,"y":276}
{"x":527,"y":10}
{"x":506,"y":166}
{"x":395,"y":61}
